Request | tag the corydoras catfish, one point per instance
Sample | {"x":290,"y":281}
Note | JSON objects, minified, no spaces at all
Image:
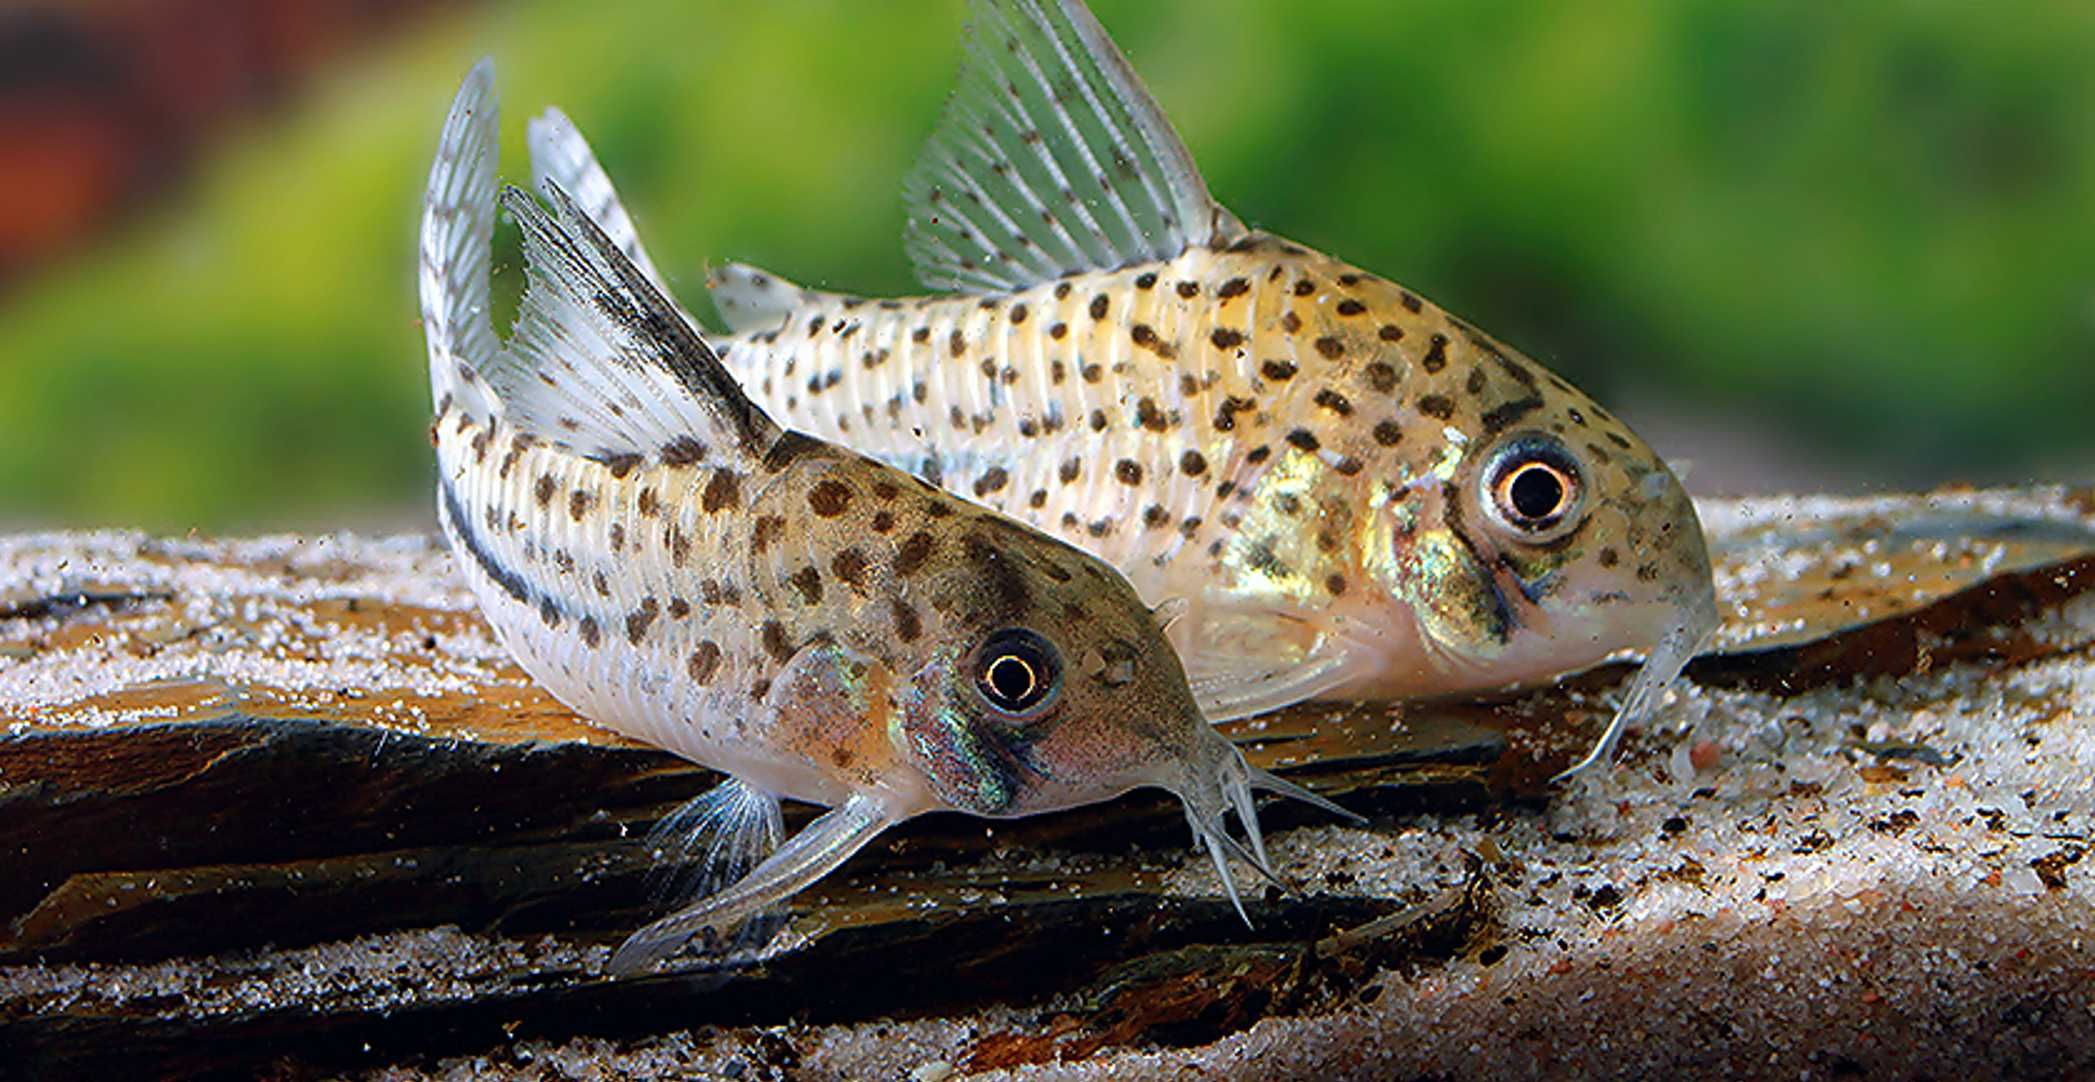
{"x":674,"y":566}
{"x":1358,"y":494}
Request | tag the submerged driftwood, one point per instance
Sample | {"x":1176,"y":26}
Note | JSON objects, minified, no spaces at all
{"x":284,"y":802}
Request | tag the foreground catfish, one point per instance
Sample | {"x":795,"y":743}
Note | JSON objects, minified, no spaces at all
{"x":1361,"y":495}
{"x":674,"y":566}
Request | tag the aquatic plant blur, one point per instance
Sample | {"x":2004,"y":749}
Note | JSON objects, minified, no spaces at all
{"x":1803,"y":244}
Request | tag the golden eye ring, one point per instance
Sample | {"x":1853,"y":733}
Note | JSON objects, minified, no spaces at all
{"x":1012,"y":676}
{"x":1534,"y":489}
{"x":1018,"y":672}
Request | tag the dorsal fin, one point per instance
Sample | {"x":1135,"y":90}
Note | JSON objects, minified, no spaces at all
{"x":749,"y":299}
{"x":1051,"y":159}
{"x":562,"y":157}
{"x":603,"y":362}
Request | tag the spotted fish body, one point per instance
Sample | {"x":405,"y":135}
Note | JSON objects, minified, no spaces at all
{"x":671,"y":564}
{"x":1357,"y":494}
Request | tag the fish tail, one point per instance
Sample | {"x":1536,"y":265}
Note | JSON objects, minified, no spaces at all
{"x":457,"y":245}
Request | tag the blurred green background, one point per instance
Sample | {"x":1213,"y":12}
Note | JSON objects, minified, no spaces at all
{"x":1802,"y":244}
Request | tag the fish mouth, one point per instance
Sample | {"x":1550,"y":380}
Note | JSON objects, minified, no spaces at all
{"x":1219,"y":781}
{"x":1696,"y":621}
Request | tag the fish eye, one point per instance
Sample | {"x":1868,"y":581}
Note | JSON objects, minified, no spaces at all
{"x":1533,"y":488}
{"x":1017,"y":671}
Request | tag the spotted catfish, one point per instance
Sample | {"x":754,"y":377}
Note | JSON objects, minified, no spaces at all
{"x":667,"y":561}
{"x":1359,"y":494}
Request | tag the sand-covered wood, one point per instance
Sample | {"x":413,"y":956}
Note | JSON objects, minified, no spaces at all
{"x":285,"y":801}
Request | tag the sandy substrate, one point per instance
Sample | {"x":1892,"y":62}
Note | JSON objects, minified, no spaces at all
{"x":1878,"y":877}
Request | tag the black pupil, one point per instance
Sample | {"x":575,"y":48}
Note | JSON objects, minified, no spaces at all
{"x":1536,"y":492}
{"x":1011,"y":680}
{"x":1018,"y":670}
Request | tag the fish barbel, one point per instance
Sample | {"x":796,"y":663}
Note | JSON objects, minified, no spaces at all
{"x":674,"y":566}
{"x":1357,"y":494}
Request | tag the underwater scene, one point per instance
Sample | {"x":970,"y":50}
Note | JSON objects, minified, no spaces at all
{"x":1010,"y":538}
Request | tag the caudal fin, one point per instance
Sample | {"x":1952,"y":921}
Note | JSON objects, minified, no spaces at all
{"x":458,"y":228}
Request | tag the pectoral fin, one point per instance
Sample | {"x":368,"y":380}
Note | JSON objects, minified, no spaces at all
{"x":813,"y":853}
{"x":1241,"y":663}
{"x":714,"y":841}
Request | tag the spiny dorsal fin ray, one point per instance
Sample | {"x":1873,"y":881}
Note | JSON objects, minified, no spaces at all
{"x":458,"y":227}
{"x":562,"y":157}
{"x":1051,"y":159}
{"x":602,"y":361}
{"x":749,"y":299}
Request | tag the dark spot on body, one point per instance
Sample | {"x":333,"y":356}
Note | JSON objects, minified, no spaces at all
{"x":907,"y":625}
{"x":1277,"y":370}
{"x":829,"y":498}
{"x":773,"y":638}
{"x":1331,"y":348}
{"x":638,"y":620}
{"x":704,"y":662}
{"x":1148,"y":416}
{"x":849,"y":566}
{"x":723,"y":492}
{"x":1128,"y":472}
{"x":808,"y":582}
{"x":1193,"y":463}
{"x":769,"y":528}
{"x":1225,"y":415}
{"x":912,"y":554}
{"x":683,"y":451}
{"x":1436,"y":357}
{"x":1508,"y":414}
{"x":1439,"y":407}
{"x":1303,"y":440}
